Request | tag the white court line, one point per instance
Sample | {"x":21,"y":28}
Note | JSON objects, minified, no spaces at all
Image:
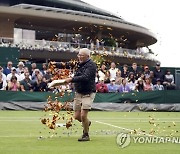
{"x":124,"y":128}
{"x":20,"y":117}
{"x":15,"y":120}
{"x":119,"y":121}
{"x":19,"y":136}
{"x":143,"y":121}
{"x":135,"y":118}
{"x":131,"y":130}
{"x":21,"y":120}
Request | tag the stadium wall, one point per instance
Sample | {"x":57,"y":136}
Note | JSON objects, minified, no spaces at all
{"x":167,"y":100}
{"x":9,"y":54}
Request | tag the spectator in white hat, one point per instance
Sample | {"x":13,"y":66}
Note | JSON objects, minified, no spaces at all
{"x":112,"y":87}
{"x":13,"y":73}
{"x":20,"y":68}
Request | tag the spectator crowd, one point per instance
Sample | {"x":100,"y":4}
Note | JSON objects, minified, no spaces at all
{"x":23,"y":79}
{"x":112,"y":79}
{"x":133,"y":79}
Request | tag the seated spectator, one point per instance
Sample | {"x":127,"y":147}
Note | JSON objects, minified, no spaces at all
{"x":33,"y":67}
{"x":169,"y":81}
{"x":101,"y":86}
{"x":13,"y":84}
{"x":63,"y":88}
{"x":139,"y":85}
{"x":158,"y":85}
{"x":47,"y":77}
{"x":102,"y":71}
{"x":26,"y":83}
{"x":152,"y":78}
{"x":131,"y":81}
{"x":146,"y":71}
{"x":125,"y":72}
{"x":35,"y":74}
{"x":148,"y":86}
{"x":97,"y":77}
{"x":158,"y":73}
{"x":22,"y":76}
{"x":135,"y":70}
{"x":20,"y":68}
{"x":112,"y":87}
{"x":7,"y":70}
{"x":13,"y":73}
{"x":39,"y":84}
{"x":113,"y":69}
{"x":142,"y":77}
{"x":3,"y":75}
{"x":107,"y":77}
{"x":44,"y":68}
{"x":124,"y":88}
{"x":3,"y":83}
{"x":71,"y":87}
{"x":119,"y":78}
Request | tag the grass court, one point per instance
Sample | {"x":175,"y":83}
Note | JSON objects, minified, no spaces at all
{"x":21,"y":132}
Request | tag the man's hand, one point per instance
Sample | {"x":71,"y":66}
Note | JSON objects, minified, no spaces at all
{"x":55,"y":83}
{"x":53,"y":63}
{"x":67,"y":80}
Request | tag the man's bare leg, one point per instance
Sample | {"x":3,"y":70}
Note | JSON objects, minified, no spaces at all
{"x":85,"y":121}
{"x":77,"y":115}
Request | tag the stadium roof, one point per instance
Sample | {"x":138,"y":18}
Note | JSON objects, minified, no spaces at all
{"x":75,"y":5}
{"x":70,"y":15}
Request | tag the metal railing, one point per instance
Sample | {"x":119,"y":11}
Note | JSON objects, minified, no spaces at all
{"x":28,"y":44}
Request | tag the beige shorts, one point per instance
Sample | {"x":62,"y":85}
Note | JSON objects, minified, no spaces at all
{"x":83,"y":102}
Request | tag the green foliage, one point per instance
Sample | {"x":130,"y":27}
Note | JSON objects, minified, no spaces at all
{"x":98,"y":59}
{"x":109,"y":42}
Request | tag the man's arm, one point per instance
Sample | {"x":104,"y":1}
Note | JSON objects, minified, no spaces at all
{"x":55,"y":83}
